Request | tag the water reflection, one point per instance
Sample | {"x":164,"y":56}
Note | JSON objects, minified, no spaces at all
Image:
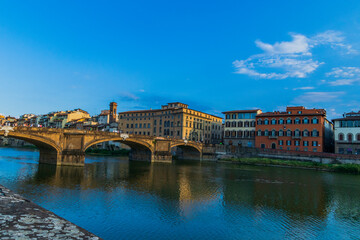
{"x":114,"y":197}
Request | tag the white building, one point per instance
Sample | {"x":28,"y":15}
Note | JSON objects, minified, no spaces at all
{"x":347,"y":133}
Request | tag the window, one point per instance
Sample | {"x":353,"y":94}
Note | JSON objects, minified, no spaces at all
{"x":315,"y":133}
{"x":349,"y":137}
{"x":273,"y":121}
{"x":240,"y":124}
{"x":357,"y":137}
{"x":306,"y":143}
{"x":266,"y":122}
{"x":259,"y":122}
{"x":315,"y":121}
{"x":297,"y":133}
{"x":297,"y":121}
{"x":306,"y":120}
{"x":288,"y":121}
{"x":281,"y":142}
{"x":281,"y":121}
{"x":240,"y":134}
{"x":288,"y":143}
{"x":341,"y":137}
{"x":246,"y":124}
{"x":273,"y":133}
{"x":297,"y":143}
{"x":288,"y":133}
{"x":262,"y":145}
{"x":305,"y":133}
{"x":281,"y":133}
{"x":259,"y":133}
{"x":266,"y":133}
{"x":314,"y":143}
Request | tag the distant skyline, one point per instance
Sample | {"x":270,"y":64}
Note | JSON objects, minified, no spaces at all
{"x":214,"y":56}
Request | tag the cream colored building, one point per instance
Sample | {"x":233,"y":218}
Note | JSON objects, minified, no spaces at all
{"x":174,"y":120}
{"x":61,"y":118}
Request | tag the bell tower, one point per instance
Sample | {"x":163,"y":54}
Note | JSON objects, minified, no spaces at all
{"x":113,"y":110}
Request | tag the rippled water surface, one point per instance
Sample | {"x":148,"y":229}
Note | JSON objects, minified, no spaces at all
{"x":118,"y":199}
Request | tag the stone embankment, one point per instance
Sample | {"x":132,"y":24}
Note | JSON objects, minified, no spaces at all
{"x":23,"y":219}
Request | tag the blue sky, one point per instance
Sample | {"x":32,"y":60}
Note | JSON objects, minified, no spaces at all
{"x":214,"y":55}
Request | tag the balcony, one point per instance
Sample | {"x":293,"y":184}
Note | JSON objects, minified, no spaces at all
{"x":273,"y":137}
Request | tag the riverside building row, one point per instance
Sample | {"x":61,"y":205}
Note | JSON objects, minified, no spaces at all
{"x":174,"y":120}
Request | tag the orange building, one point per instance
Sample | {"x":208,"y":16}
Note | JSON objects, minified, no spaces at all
{"x":297,"y":129}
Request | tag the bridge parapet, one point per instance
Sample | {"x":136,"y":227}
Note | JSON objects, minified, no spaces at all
{"x":68,"y":146}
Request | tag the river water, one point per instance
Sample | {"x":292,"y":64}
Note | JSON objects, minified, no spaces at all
{"x":118,"y":199}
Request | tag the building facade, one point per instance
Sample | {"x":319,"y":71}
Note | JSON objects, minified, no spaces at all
{"x":297,"y":129}
{"x":347,"y":133}
{"x":173,"y":120}
{"x":240,"y":127}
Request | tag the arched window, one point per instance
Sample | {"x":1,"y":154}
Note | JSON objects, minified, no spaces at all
{"x":281,"y":121}
{"x":259,"y":132}
{"x":240,"y":134}
{"x":288,"y":133}
{"x":252,"y":133}
{"x":240,"y":124}
{"x":233,"y":133}
{"x":227,"y":124}
{"x":357,"y":137}
{"x":297,"y":121}
{"x":341,"y":137}
{"x":305,"y":133}
{"x":305,"y":120}
{"x":246,"y":124}
{"x":266,"y":133}
{"x":273,"y":133}
{"x":288,"y":121}
{"x":315,"y":133}
{"x":281,"y":133}
{"x":246,"y":133}
{"x":349,"y":137}
{"x":315,"y":120}
{"x":233,"y":124}
{"x":253,"y":123}
{"x":227,"y":133}
{"x":273,"y":121}
{"x":297,"y":133}
{"x":259,"y":122}
{"x":266,"y":121}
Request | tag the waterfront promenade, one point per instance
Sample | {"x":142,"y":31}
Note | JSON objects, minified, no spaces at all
{"x":23,"y":219}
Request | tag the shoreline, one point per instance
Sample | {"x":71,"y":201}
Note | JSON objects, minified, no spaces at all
{"x":20,"y":218}
{"x":353,"y":169}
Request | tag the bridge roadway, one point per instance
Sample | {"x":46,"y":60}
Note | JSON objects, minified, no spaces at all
{"x":68,"y":146}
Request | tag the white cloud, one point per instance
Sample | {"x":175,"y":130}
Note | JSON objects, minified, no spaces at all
{"x":344,"y":76}
{"x":303,"y":88}
{"x":289,"y":58}
{"x":317,"y":97}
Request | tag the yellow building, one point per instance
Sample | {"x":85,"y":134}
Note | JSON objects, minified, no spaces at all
{"x":61,"y":118}
{"x":172,"y":120}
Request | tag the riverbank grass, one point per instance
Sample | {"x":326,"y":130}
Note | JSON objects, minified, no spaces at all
{"x":344,"y":168}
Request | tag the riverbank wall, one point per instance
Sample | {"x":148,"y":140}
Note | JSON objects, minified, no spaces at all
{"x":219,"y":152}
{"x":23,"y":219}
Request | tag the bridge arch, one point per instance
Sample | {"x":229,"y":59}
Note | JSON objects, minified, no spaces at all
{"x":140,"y":150}
{"x":187,"y":151}
{"x":49,"y":150}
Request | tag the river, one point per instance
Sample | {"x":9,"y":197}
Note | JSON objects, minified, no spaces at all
{"x":118,"y":199}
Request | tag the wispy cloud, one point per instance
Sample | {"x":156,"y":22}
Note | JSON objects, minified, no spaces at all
{"x":317,"y":97}
{"x":344,"y":76}
{"x":303,"y":88}
{"x":289,"y":59}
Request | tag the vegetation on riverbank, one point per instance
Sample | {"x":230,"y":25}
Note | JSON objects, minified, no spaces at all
{"x":343,"y":168}
{"x":104,"y":152}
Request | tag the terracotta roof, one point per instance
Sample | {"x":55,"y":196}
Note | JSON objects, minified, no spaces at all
{"x":164,"y":110}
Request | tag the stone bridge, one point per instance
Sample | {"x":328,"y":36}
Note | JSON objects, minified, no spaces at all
{"x":67,"y":146}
